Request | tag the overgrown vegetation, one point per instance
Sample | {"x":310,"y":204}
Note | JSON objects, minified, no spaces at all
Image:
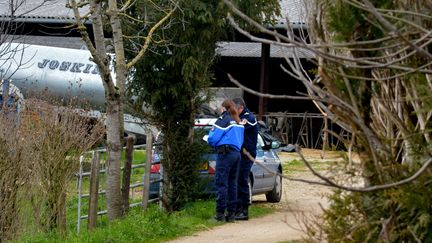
{"x":15,"y":167}
{"x":374,"y":79}
{"x":378,"y":85}
{"x":60,"y":135}
{"x":153,"y":225}
{"x":39,"y":153}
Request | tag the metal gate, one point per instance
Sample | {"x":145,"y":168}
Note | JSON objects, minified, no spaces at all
{"x":82,"y":174}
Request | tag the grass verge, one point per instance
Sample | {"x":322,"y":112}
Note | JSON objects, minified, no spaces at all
{"x":153,"y":225}
{"x":295,"y":166}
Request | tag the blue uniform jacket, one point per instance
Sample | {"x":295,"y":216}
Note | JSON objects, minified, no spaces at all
{"x":251,"y":131}
{"x":226,"y":131}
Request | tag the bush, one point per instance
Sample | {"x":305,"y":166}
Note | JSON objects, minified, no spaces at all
{"x":39,"y":153}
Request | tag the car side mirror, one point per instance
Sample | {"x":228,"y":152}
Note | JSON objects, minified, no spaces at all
{"x":275,"y":145}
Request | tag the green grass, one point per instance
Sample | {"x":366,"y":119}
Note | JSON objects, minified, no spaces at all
{"x":294,"y":166}
{"x":139,"y":157}
{"x":153,"y":225}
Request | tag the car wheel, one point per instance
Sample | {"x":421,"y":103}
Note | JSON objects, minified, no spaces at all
{"x":275,"y":195}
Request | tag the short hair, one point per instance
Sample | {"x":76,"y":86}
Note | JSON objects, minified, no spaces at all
{"x":239,"y":101}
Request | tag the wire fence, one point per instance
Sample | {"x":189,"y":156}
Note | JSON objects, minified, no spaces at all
{"x":86,"y":194}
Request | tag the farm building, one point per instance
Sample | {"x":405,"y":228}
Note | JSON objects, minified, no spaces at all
{"x":255,"y":65}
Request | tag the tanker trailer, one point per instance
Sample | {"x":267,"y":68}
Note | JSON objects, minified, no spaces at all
{"x":62,"y":73}
{"x":58,"y":72}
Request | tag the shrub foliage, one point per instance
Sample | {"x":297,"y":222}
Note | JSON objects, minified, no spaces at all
{"x":378,"y":86}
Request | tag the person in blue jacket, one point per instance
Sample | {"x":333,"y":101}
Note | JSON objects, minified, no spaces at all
{"x":226,"y":136}
{"x":250,"y":142}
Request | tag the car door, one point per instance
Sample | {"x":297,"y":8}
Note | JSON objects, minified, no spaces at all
{"x":257,"y":171}
{"x":269,"y":161}
{"x":261,"y":176}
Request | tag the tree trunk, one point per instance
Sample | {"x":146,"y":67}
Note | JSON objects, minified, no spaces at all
{"x":113,"y":95}
{"x":115,"y":115}
{"x":114,"y":91}
{"x":114,"y":148}
{"x":167,"y":202}
{"x":167,"y":185}
{"x":120,"y":59}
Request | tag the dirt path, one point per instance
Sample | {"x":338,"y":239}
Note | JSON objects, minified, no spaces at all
{"x":272,"y":228}
{"x":283,"y":225}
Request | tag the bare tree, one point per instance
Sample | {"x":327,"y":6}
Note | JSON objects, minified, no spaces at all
{"x":57,"y":136}
{"x":374,"y":79}
{"x":111,"y":13}
{"x":14,"y":171}
{"x":14,"y":160}
{"x":39,"y":151}
{"x":386,"y":116}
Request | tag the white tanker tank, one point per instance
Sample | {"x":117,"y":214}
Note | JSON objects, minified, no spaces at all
{"x":61,"y":72}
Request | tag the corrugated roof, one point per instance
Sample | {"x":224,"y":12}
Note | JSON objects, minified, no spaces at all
{"x":56,"y":11}
{"x":39,"y":10}
{"x":54,"y":41}
{"x":293,"y":10}
{"x":224,"y":49}
{"x":253,"y":49}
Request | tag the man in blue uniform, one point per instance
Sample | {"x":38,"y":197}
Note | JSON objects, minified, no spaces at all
{"x":250,"y":142}
{"x":226,"y":136}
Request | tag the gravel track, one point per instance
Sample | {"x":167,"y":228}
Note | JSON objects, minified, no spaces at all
{"x":298,"y":200}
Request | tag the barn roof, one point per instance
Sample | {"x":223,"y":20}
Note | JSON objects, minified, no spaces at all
{"x":293,"y":11}
{"x":55,"y":11}
{"x":224,"y":49}
{"x":38,"y":11}
{"x":253,"y":49}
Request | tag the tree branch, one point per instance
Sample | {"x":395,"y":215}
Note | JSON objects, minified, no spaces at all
{"x":371,"y":8}
{"x":149,"y":38}
{"x":366,"y":189}
{"x":330,"y":183}
{"x":98,"y":53}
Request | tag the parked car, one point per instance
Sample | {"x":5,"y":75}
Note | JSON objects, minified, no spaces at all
{"x":261,"y":181}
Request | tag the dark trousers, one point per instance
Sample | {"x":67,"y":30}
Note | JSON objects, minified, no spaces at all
{"x":243,"y":191}
{"x":227,"y":165}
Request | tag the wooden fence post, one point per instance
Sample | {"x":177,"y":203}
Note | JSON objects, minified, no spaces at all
{"x":130,"y":141}
{"x":94,"y":191}
{"x":146,"y":190}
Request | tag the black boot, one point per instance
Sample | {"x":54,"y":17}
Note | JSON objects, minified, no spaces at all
{"x":239,"y":210}
{"x":230,"y":217}
{"x":220,"y":217}
{"x":243,"y":215}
